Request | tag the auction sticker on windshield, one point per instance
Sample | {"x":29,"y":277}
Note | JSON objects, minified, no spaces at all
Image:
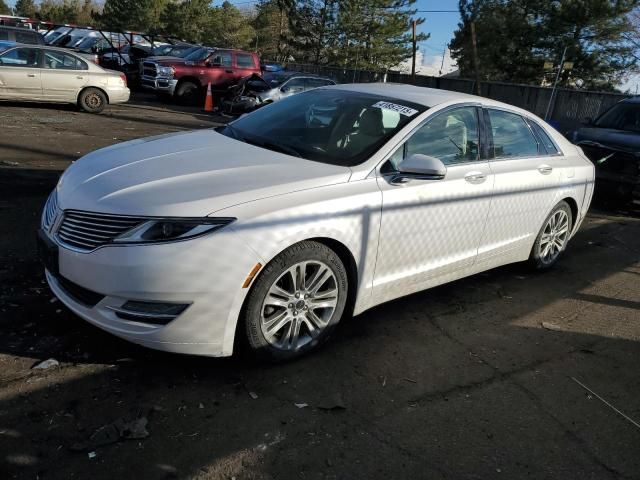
{"x":401,"y":109}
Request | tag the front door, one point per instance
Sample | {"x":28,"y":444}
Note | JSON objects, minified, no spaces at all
{"x":431,"y":229}
{"x":20,"y":74}
{"x":63,"y":76}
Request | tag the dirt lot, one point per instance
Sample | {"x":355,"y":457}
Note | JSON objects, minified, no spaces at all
{"x":476,"y":379}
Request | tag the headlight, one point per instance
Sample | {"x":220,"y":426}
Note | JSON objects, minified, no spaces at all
{"x":166,"y":71}
{"x":172,"y":229}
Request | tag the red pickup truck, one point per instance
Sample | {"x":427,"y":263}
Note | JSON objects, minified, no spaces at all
{"x":186,"y":78}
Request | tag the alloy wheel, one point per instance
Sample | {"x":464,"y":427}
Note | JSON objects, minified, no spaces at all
{"x":299,"y":305}
{"x":554,"y":237}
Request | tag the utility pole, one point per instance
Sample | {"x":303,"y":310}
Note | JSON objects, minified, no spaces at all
{"x":474,"y":43}
{"x":413,"y":60}
{"x":444,"y":52}
{"x":555,"y":84}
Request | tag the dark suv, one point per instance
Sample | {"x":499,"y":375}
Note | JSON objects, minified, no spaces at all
{"x":612,"y":143}
{"x":21,"y":35}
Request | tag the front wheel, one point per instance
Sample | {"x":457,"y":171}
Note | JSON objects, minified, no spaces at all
{"x":553,"y":237}
{"x":92,"y":100}
{"x":188,"y":93}
{"x":296,"y":302}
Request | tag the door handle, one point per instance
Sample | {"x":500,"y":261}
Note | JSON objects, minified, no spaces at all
{"x":475,"y":177}
{"x":545,"y":169}
{"x":229,"y":71}
{"x":31,"y":75}
{"x":80,"y":77}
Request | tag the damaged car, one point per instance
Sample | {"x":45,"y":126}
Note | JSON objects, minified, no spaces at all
{"x":612,"y":143}
{"x":255,"y":91}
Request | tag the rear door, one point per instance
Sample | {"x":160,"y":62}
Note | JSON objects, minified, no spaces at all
{"x":526,"y":180}
{"x":245,"y":64}
{"x":20,"y":74}
{"x":63,"y":76}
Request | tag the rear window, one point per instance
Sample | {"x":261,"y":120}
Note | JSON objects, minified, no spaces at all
{"x":26,"y":37}
{"x":245,"y":60}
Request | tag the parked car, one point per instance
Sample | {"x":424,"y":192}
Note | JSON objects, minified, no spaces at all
{"x":271,"y":67}
{"x":21,"y":35}
{"x":4,"y":45}
{"x":256,"y":91}
{"x":275,"y":226}
{"x":612,"y":142}
{"x":49,"y":74}
{"x":186,"y":78}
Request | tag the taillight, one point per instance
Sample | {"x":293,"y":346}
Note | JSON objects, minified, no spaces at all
{"x":123,"y":77}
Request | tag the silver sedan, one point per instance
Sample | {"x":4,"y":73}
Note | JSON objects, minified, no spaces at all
{"x":49,"y":74}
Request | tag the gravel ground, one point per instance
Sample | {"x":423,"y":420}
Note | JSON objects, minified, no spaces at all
{"x":481,"y":378}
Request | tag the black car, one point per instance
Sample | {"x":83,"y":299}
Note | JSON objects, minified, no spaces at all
{"x":21,"y":35}
{"x":612,"y":143}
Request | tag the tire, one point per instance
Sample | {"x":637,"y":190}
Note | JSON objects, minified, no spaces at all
{"x":313,"y":313}
{"x":553,"y":237}
{"x":188,"y":93}
{"x":92,"y":100}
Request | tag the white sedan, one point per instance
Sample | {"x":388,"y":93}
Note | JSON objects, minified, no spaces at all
{"x":270,"y":230}
{"x":48,"y":74}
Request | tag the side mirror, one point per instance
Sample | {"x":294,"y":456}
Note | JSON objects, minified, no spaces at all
{"x":421,"y":167}
{"x":587,"y":121}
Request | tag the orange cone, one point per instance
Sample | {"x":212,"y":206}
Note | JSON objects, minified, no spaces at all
{"x":208,"y":103}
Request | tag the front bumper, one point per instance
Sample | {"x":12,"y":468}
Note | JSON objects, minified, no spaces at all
{"x":159,"y":84}
{"x":206,"y":273}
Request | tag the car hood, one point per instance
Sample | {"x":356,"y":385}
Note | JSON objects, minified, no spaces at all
{"x":610,"y":137}
{"x":186,"y":174}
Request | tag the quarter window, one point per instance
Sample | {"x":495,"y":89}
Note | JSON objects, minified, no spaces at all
{"x":318,"y":82}
{"x":245,"y":60}
{"x":20,"y":57}
{"x":451,"y":136}
{"x":26,"y":37}
{"x":62,"y":61}
{"x":549,"y":147}
{"x":511,"y":135}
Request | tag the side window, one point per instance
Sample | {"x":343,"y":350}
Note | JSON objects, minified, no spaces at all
{"x":451,"y":136}
{"x":4,"y":35}
{"x":511,"y":135}
{"x":550,"y":147}
{"x":221,"y":58}
{"x":294,"y":85}
{"x":61,"y":61}
{"x":26,"y":37}
{"x":20,"y":57}
{"x":317,"y":82}
{"x":245,"y":60}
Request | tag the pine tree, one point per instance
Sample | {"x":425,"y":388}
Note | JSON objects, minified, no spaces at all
{"x":26,"y":8}
{"x":272,"y":27}
{"x":138,"y":15}
{"x":515,"y":38}
{"x":4,"y":8}
{"x":313,"y":29}
{"x":229,"y":27}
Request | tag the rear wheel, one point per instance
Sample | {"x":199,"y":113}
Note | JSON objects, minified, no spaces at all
{"x":92,"y":100}
{"x":553,"y":237}
{"x":296,"y":302}
{"x":188,"y":93}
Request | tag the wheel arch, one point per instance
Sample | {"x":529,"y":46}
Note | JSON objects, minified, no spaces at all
{"x":345,"y":255}
{"x":191,"y":79}
{"x":573,"y":205}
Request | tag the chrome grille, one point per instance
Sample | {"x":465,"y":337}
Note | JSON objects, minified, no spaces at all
{"x":149,"y":69}
{"x":49,"y":212}
{"x":88,"y":230}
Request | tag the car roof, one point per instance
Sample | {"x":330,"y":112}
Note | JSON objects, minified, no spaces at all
{"x":20,"y":29}
{"x":632,"y":100}
{"x":288,"y":74}
{"x":428,"y":97}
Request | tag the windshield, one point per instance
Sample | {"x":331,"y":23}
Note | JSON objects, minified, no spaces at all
{"x":198,"y":55}
{"x":622,"y":116}
{"x":330,"y":126}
